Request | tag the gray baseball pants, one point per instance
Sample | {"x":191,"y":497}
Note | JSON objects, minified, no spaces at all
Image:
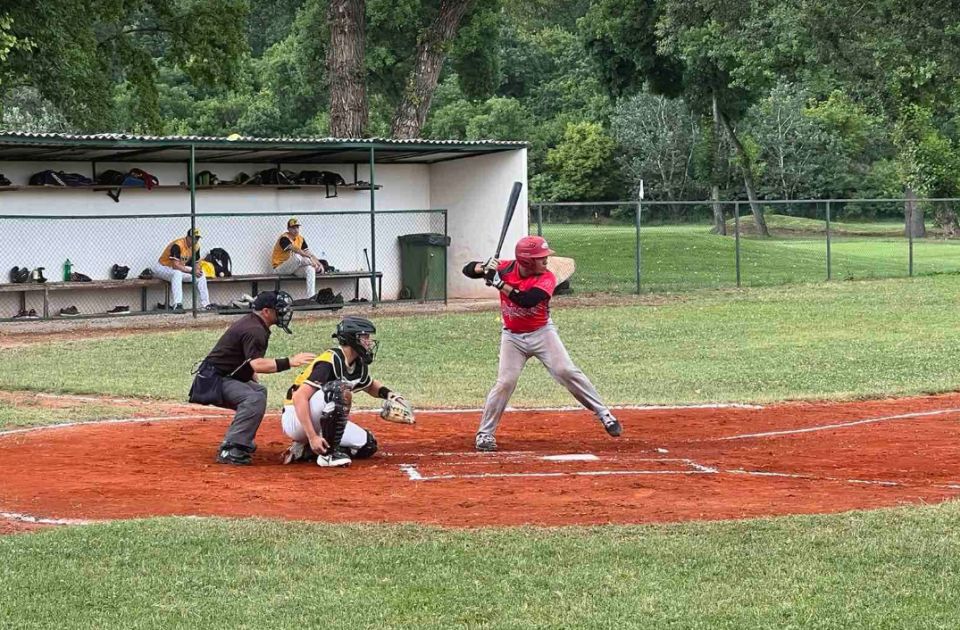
{"x":545,"y":345}
{"x":249,"y":398}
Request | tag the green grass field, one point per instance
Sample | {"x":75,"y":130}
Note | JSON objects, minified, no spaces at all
{"x":684,"y":257}
{"x":887,"y":568}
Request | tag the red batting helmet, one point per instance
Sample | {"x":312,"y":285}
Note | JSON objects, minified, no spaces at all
{"x":530,"y":247}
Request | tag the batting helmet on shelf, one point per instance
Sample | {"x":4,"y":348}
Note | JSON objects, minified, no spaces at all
{"x":19,"y":275}
{"x":119,"y":272}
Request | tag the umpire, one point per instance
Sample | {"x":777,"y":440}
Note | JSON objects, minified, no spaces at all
{"x":228,"y":376}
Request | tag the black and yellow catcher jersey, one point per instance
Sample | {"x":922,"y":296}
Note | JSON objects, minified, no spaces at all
{"x":331,"y":366}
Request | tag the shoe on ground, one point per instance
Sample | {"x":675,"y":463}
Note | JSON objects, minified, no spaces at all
{"x":333,"y":459}
{"x":70,"y":311}
{"x":212,"y":307}
{"x":486,"y":443}
{"x":611,"y":424}
{"x":296,"y":452}
{"x":119,"y":310}
{"x":31,"y":314}
{"x":246,"y":297}
{"x":234,"y":455}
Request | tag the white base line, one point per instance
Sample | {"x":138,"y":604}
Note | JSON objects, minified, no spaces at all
{"x":829,"y":427}
{"x":67,"y":425}
{"x":26,"y":518}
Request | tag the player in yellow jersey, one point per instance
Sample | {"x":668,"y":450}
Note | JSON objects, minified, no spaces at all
{"x":291,"y":255}
{"x":317,"y":408}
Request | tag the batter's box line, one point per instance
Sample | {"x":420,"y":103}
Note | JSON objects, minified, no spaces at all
{"x":413,"y":472}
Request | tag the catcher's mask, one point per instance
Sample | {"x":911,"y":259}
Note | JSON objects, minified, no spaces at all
{"x":530,"y":247}
{"x":279,"y":301}
{"x":357,"y":333}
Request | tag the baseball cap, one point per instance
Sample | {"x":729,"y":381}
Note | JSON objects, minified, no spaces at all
{"x":292,"y":222}
{"x":194,"y":233}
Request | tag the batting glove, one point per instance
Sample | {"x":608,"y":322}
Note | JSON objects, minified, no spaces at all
{"x":491,"y":265}
{"x":495,"y":280}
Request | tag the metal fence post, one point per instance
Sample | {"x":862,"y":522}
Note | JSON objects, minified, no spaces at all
{"x":539,"y":219}
{"x":638,"y":246}
{"x":736,"y":234}
{"x":446,"y":258}
{"x":194,"y":264}
{"x":910,"y":240}
{"x":374,"y":298}
{"x":829,"y":271}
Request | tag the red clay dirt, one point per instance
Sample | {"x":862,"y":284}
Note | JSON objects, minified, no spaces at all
{"x":669,"y":465}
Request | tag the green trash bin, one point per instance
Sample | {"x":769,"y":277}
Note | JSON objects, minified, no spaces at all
{"x":423,"y":266}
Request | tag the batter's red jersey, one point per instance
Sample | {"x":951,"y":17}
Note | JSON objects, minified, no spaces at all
{"x":517,"y":318}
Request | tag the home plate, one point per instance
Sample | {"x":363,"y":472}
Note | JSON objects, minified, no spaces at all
{"x":572,"y":457}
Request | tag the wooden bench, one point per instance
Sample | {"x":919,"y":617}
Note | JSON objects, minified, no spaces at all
{"x":256,"y":278}
{"x":99,"y":285}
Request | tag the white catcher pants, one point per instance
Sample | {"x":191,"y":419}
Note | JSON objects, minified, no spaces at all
{"x":176,"y":278}
{"x":354,"y":436}
{"x":298,"y":265}
{"x":544,"y":344}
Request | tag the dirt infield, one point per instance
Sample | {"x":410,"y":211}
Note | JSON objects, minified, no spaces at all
{"x":553,"y":467}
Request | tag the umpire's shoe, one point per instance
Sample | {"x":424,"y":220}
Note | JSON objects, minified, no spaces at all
{"x":234,"y":454}
{"x":611,"y":424}
{"x":334,"y":459}
{"x":485,"y":443}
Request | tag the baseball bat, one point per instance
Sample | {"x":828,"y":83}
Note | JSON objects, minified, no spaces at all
{"x":507,"y":218}
{"x":373,"y":282}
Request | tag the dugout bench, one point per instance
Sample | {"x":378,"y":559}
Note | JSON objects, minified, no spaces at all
{"x":45,"y":288}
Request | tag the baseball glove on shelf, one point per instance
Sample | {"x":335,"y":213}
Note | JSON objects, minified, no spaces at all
{"x":396,"y":411}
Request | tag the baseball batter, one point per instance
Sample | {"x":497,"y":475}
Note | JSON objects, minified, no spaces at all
{"x":526,"y":286}
{"x":317,"y":408}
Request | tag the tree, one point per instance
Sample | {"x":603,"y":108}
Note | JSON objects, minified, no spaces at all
{"x":79,"y":52}
{"x":657,"y":137}
{"x":349,"y":110}
{"x":581,"y":165}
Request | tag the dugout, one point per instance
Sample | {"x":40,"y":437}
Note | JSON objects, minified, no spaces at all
{"x":392,"y":188}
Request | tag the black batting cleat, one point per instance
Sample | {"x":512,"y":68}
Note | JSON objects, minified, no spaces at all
{"x":611,"y":424}
{"x":234,"y":455}
{"x":485,"y":443}
{"x":334,"y":459}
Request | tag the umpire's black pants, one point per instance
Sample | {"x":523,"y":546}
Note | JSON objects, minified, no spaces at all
{"x":249,"y":398}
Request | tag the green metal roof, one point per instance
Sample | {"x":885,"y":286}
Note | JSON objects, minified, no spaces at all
{"x":121,"y":147}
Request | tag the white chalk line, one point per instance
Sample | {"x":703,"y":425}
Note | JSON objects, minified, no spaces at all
{"x":37,"y":520}
{"x":414,"y":474}
{"x":81,"y":423}
{"x":839,"y":425}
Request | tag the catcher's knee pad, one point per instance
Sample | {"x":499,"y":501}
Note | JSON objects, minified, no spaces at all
{"x":368,"y":449}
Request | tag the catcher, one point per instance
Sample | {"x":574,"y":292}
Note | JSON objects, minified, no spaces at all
{"x":316,"y":411}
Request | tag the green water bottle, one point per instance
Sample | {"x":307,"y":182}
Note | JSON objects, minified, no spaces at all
{"x":67,"y":270}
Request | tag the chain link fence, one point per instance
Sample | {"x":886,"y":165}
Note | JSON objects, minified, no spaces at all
{"x":69,"y":260}
{"x":674,"y":246}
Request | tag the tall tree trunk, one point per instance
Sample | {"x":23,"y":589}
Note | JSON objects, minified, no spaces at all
{"x":719,"y":225}
{"x":348,"y":88}
{"x":431,"y":53}
{"x":913,"y":216}
{"x":745,"y":167}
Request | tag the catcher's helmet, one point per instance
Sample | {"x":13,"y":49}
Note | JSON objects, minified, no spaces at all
{"x":530,"y":247}
{"x":19,"y":275}
{"x":349,"y":332}
{"x":281,"y":302}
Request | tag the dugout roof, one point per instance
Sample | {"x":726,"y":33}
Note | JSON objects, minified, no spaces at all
{"x":122,"y":147}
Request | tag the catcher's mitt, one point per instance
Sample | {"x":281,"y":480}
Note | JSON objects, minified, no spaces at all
{"x":396,"y":411}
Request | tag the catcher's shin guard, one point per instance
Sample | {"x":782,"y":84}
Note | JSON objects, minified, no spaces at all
{"x":333,"y":423}
{"x":368,"y":449}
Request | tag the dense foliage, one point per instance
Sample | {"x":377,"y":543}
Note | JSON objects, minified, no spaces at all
{"x":694,"y":97}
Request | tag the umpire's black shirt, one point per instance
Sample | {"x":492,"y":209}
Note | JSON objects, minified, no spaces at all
{"x":244,"y":341}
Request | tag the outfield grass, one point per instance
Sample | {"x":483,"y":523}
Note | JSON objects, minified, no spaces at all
{"x":826,"y":341}
{"x":688,"y":257}
{"x":884,"y":569}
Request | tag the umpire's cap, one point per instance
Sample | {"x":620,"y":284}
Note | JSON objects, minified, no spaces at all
{"x":281,"y":302}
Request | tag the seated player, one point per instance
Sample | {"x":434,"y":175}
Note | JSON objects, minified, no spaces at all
{"x":317,"y":408}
